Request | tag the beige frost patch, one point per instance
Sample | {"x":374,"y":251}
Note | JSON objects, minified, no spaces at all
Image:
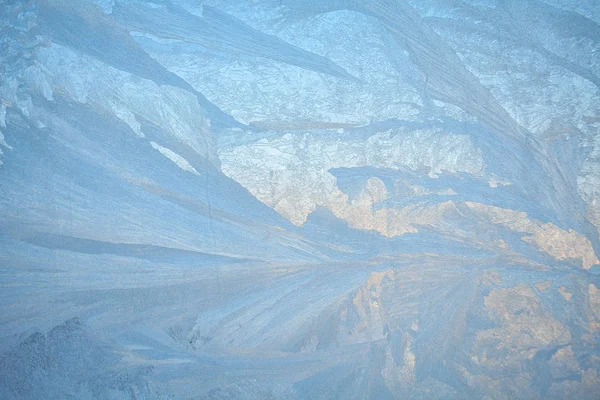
{"x":523,"y":328}
{"x":489,"y":278}
{"x":400,"y":374}
{"x":360,"y":212}
{"x":594,"y":298}
{"x":547,"y":237}
{"x":594,"y":294}
{"x":565,"y":293}
{"x":542,"y":286}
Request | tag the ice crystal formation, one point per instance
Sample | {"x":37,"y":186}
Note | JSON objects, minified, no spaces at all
{"x":307,"y":199}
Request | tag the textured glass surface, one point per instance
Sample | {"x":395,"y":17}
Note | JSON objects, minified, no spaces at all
{"x":302,"y":199}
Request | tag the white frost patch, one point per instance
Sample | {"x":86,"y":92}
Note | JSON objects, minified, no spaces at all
{"x":134,"y":100}
{"x":2,"y":114}
{"x":276,"y":95}
{"x":176,"y":158}
{"x":3,"y":142}
{"x":290,"y":173}
{"x":105,"y":5}
{"x":128,"y":118}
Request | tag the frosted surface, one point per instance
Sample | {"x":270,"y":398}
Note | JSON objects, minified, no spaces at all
{"x":309,"y":199}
